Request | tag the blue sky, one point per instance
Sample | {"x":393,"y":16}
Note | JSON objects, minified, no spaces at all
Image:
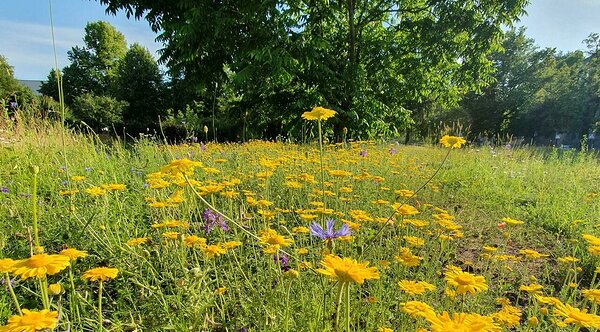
{"x":26,"y":39}
{"x":27,"y":44}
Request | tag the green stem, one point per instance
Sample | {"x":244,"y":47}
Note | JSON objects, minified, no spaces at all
{"x":340,"y":293}
{"x":43,"y":283}
{"x":222,"y":308}
{"x":321,"y":157}
{"x":36,"y":238}
{"x":73,"y":297}
{"x":347,"y":307}
{"x":323,"y":307}
{"x":287,"y":307}
{"x":100,"y":307}
{"x":61,"y":95}
{"x":12,"y":294}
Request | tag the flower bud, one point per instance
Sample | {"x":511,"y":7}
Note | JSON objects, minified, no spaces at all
{"x":291,"y":274}
{"x":34,"y":169}
{"x":196,"y":272}
{"x":533,"y":321}
{"x":55,"y":289}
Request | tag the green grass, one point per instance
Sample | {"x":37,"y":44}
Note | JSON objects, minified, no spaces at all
{"x":165,"y":286}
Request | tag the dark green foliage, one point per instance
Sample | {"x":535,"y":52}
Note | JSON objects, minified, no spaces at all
{"x":537,"y":94}
{"x":92,"y":67}
{"x":98,"y":112}
{"x":50,"y":86}
{"x":518,"y":77}
{"x":10,"y":89}
{"x":138,"y":81}
{"x":104,"y":72}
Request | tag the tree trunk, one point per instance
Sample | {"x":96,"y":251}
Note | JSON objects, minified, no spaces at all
{"x":351,"y":33}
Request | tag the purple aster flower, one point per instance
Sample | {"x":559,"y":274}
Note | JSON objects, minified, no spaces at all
{"x":223,"y":225}
{"x":329,"y":233}
{"x":283,"y":259}
{"x":393,"y":151}
{"x":195,"y":139}
{"x":363,"y":153}
{"x":202,"y":146}
{"x":12,"y":281}
{"x":4,"y":190}
{"x":213,"y":219}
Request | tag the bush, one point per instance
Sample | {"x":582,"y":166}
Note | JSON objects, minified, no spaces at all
{"x":98,"y":111}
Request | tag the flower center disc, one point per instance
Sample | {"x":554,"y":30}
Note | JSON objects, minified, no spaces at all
{"x":464,"y":279}
{"x":37,"y":261}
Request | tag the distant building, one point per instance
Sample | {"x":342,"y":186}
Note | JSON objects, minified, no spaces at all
{"x":33,"y":85}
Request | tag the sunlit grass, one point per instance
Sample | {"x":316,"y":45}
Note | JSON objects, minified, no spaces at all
{"x":183,"y":266}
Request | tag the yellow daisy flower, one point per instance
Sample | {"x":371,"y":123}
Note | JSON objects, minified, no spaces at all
{"x":452,"y":142}
{"x":40,"y":265}
{"x":318,"y":114}
{"x":73,"y":254}
{"x":100,"y":273}
{"x":465,"y":282}
{"x":32,"y":321}
{"x":415,"y":287}
{"x":347,"y":270}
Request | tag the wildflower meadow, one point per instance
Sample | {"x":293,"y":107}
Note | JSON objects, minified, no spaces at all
{"x":273,"y":236}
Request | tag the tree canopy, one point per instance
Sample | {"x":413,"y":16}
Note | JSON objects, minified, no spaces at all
{"x":139,"y":82}
{"x":108,"y":84}
{"x":10,"y":88}
{"x":374,"y":61}
{"x":248,"y":69}
{"x":538,"y":94}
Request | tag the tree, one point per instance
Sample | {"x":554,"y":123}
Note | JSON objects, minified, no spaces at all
{"x":104,"y":73}
{"x":10,"y":89}
{"x":92,"y":67}
{"x":50,"y":86}
{"x":138,"y":81}
{"x":538,"y":93}
{"x":592,"y":83}
{"x":370,"y":60}
{"x":520,"y":73}
{"x":562,"y":101}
